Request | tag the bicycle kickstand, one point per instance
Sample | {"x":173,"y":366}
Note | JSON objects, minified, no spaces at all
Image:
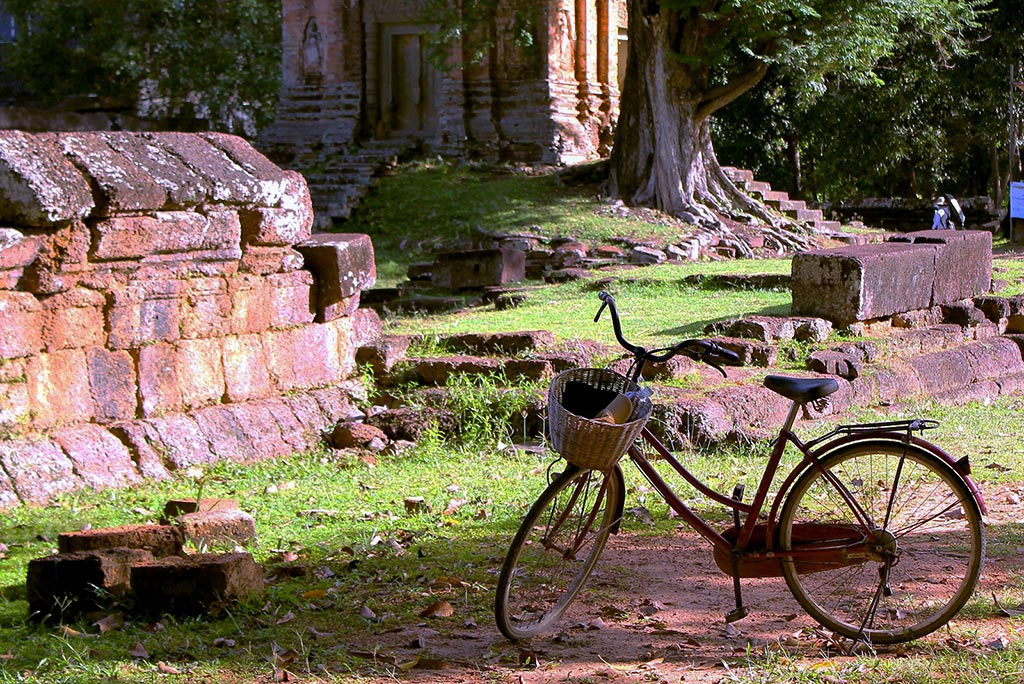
{"x":740,"y":611}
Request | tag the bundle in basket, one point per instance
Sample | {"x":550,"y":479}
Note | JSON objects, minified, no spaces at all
{"x":574,"y":399}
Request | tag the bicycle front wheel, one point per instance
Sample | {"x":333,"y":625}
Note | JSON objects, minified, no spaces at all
{"x":924,"y":549}
{"x":555,"y":550}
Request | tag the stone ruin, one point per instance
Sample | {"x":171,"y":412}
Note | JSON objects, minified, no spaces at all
{"x":360,"y":73}
{"x":163,"y":304}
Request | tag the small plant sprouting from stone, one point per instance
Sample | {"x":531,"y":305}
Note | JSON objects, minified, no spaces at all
{"x":199,"y":478}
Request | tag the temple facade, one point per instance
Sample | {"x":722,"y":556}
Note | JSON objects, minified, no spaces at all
{"x":356,"y":71}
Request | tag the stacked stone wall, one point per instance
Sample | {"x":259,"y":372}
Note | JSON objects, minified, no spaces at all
{"x":158,"y":309}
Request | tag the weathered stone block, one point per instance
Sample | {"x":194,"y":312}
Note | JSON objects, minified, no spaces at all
{"x":304,"y":357}
{"x":159,"y":540}
{"x":79,"y":581}
{"x":226,"y":436}
{"x":217,"y":527}
{"x":15,"y":403}
{"x":288,"y":224}
{"x":136,"y":237}
{"x":272,"y":183}
{"x":73,"y":319}
{"x":260,"y":430}
{"x":183,"y":187}
{"x":436,"y":371}
{"x":99,"y":458}
{"x":145,"y":313}
{"x":38,"y":185}
{"x":17,"y":251}
{"x":751,"y":353}
{"x":293,"y":432}
{"x":251,"y":310}
{"x":159,"y":391}
{"x":182,"y":441}
{"x":39,"y":469}
{"x":58,"y":385}
{"x":343,"y":265}
{"x":200,"y":372}
{"x":8,"y":497}
{"x":246,"y":369}
{"x":196,"y":584}
{"x":123,"y":185}
{"x":963,"y":262}
{"x":113,"y":384}
{"x":205,"y":309}
{"x":291,"y":299}
{"x":136,"y":435}
{"x":21,"y":318}
{"x":863,"y":282}
{"x":479,"y":268}
{"x":230,"y":182}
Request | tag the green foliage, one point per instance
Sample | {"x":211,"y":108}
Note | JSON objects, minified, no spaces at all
{"x":932,"y":118}
{"x":186,"y":59}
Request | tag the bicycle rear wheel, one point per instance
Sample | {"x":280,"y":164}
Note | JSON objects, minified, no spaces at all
{"x":555,"y":550}
{"x":926,"y":542}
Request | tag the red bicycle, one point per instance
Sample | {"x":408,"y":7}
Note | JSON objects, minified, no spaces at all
{"x":877,"y":531}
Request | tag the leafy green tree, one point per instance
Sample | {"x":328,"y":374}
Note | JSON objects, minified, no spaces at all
{"x":688,"y":59}
{"x":176,"y":59}
{"x":933,"y":121}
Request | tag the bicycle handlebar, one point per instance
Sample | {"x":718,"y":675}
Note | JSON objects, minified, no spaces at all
{"x":704,"y":351}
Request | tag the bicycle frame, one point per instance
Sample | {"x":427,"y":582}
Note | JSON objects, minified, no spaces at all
{"x":752,"y":552}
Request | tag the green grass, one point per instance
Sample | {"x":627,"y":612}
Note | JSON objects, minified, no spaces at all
{"x":423,"y":207}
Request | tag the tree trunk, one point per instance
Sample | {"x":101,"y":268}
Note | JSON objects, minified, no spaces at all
{"x":663,"y":155}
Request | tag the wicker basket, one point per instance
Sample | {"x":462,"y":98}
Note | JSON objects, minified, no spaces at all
{"x":574,"y":398}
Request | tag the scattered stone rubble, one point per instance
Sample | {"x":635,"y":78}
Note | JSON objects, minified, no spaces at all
{"x":144,"y":569}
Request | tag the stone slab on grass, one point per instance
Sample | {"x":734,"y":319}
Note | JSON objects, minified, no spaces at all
{"x":963,"y":262}
{"x":159,"y":540}
{"x":194,"y":585}
{"x":68,"y":583}
{"x":863,"y":282}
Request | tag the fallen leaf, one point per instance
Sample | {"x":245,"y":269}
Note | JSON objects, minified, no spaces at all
{"x":595,"y":624}
{"x":222,"y":642}
{"x":110,"y":622}
{"x":138,"y":651}
{"x":439,"y":609}
{"x":998,"y":467}
{"x":7,"y":656}
{"x":287,"y":617}
{"x":453,"y":506}
{"x":68,"y":631}
{"x":167,"y":669}
{"x":366,"y":613}
{"x":999,"y":644}
{"x":314,"y":594}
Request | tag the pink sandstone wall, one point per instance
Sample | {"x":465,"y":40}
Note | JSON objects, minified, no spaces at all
{"x":162,"y":304}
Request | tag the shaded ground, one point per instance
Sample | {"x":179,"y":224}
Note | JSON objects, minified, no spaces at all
{"x":654,"y":613}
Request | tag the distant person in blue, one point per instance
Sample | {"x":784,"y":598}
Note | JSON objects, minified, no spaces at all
{"x":948,"y":214}
{"x":940,"y":221}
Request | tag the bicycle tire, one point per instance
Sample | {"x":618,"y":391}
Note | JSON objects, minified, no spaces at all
{"x":927,"y":543}
{"x":555,"y":550}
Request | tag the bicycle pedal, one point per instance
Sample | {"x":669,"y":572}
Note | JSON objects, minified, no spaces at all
{"x":738,"y":614}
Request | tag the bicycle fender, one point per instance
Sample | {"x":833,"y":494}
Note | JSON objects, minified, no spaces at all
{"x":960,"y":467}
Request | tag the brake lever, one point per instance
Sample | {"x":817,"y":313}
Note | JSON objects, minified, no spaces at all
{"x":604,"y":305}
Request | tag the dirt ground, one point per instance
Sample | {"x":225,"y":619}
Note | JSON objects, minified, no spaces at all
{"x":654,"y":612}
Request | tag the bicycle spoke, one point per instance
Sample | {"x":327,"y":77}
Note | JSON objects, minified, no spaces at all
{"x":922,"y":565}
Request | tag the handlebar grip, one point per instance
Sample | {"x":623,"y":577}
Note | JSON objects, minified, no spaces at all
{"x":727,"y":356}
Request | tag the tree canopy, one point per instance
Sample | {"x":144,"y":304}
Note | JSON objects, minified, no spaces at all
{"x":173,"y":59}
{"x":688,"y":59}
{"x":934,"y":120}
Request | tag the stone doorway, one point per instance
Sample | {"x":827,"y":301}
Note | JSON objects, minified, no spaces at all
{"x":408,"y":83}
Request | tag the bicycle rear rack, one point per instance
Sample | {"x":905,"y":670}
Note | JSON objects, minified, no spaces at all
{"x":908,"y":427}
